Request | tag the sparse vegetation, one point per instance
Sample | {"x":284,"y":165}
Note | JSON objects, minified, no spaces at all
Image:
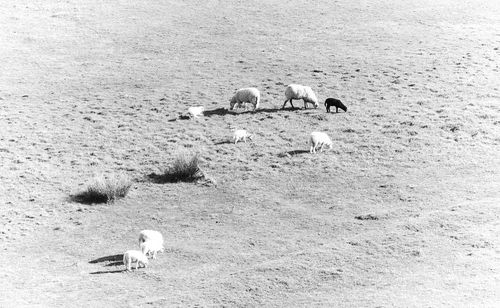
{"x":104,"y":190}
{"x":185,"y":168}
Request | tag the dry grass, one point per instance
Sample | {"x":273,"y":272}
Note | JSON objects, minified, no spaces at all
{"x":185,"y":168}
{"x":104,"y":190}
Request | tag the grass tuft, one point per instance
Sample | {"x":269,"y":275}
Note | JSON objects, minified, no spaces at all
{"x":103,"y":190}
{"x":185,"y":168}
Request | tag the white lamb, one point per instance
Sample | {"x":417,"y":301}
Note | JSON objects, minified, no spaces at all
{"x":195,"y":112}
{"x":137,"y":256}
{"x":151,"y":242}
{"x":241,"y":134}
{"x":319,"y":139}
{"x":297,"y":91}
{"x":245,"y":95}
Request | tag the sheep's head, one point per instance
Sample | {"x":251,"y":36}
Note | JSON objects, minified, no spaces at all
{"x":232,"y":103}
{"x":314,"y":101}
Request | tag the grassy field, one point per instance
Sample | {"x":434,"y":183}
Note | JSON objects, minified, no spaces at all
{"x":403,"y":212}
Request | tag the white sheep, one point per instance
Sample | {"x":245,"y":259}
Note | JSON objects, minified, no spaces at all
{"x":241,"y":134}
{"x":297,"y":91}
{"x":151,"y":242}
{"x":245,"y":95}
{"x":320,"y":139}
{"x":137,"y":256}
{"x":195,"y":112}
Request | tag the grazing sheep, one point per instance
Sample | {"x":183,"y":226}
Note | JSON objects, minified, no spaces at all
{"x":297,"y":91}
{"x":319,"y":139}
{"x":329,"y":102}
{"x":240,"y":134}
{"x":195,"y":112}
{"x":137,"y":256}
{"x":151,"y":242}
{"x":245,"y":95}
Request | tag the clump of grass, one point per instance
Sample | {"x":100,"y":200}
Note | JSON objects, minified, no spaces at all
{"x":185,"y":168}
{"x":104,"y":190}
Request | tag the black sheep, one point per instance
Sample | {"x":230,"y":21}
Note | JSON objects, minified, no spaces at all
{"x":336,"y":103}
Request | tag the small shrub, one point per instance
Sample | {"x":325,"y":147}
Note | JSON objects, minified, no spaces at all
{"x":102,"y":190}
{"x":185,"y":168}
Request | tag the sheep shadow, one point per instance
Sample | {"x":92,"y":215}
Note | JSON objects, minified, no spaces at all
{"x":108,"y":272}
{"x":118,"y":263}
{"x":218,"y":111}
{"x":223,"y":142}
{"x":293,"y":153}
{"x":114,"y":258}
{"x":225,"y":111}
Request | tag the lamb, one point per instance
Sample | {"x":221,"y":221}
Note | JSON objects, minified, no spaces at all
{"x":335,"y":103}
{"x":151,"y":242}
{"x":137,"y":256}
{"x":245,"y":95}
{"x":195,"y":112}
{"x":240,"y":134}
{"x":320,"y":139}
{"x":297,"y":91}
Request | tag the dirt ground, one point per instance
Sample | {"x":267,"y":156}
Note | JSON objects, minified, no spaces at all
{"x":403,"y":212}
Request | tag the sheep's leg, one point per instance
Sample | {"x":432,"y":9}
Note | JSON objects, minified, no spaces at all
{"x":337,"y":109}
{"x":305,"y":104}
{"x":321,"y":147}
{"x":154,"y":254}
{"x":312,"y":149}
{"x":283,"y":107}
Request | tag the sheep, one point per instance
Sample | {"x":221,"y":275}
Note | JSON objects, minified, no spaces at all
{"x":245,"y":95}
{"x":195,"y":112}
{"x":297,"y":91}
{"x":320,"y":139}
{"x":137,"y":256}
{"x":240,"y":134}
{"x":335,"y":103}
{"x":151,"y":242}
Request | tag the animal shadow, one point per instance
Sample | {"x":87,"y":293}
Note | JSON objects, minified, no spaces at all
{"x":114,"y":258}
{"x":218,"y":111}
{"x":293,"y":153}
{"x":223,"y":142}
{"x":107,"y":272}
{"x":225,"y":111}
